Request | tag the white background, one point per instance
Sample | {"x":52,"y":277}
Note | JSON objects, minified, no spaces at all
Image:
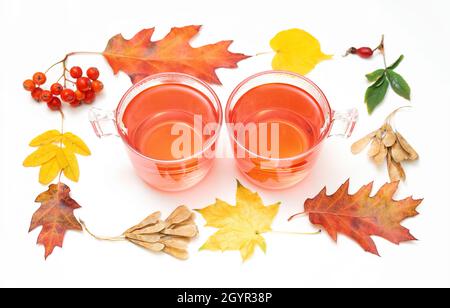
{"x":35,"y":34}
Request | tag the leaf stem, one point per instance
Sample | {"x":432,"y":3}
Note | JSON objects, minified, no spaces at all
{"x":101,"y":238}
{"x":297,"y":215}
{"x":264,"y":53}
{"x":297,"y":233}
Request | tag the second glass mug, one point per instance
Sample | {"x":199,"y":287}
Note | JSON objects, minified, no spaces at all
{"x":278,"y":172}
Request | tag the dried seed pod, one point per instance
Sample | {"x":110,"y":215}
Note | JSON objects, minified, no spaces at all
{"x":181,"y":214}
{"x":150,"y":220}
{"x":375,"y":147}
{"x":158,"y":227}
{"x":389,"y":138}
{"x":150,"y":246}
{"x":413,"y":155}
{"x":381,"y":156}
{"x":186,"y":231}
{"x":177,"y":253}
{"x":151,"y":238}
{"x":398,"y":153}
{"x":361,"y":144}
{"x":396,"y":172}
{"x":175,"y":242}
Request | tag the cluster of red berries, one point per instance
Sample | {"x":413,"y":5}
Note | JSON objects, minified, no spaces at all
{"x":86,"y":89}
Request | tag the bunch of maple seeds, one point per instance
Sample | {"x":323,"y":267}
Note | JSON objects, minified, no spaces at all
{"x":388,"y":144}
{"x":171,"y":236}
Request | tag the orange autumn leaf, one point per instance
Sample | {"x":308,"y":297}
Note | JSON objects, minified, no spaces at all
{"x":361,"y":216}
{"x":55,"y":216}
{"x":140,"y":57}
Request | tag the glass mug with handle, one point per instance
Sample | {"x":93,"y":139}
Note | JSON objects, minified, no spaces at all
{"x":157,"y":120}
{"x":277,"y":123}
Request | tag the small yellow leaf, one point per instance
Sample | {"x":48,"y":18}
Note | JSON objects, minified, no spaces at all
{"x":240,"y":227}
{"x":296,"y":51}
{"x":72,"y":170}
{"x":49,"y":171}
{"x":41,"y":156}
{"x":48,"y":137}
{"x":76,"y":144}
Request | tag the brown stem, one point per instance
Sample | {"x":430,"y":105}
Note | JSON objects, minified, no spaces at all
{"x":297,"y":215}
{"x":101,"y":238}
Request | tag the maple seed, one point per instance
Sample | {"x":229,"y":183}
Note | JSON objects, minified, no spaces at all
{"x":388,"y":145}
{"x":171,"y":236}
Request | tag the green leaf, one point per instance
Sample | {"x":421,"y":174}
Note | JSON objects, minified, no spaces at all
{"x":396,"y":63}
{"x":375,"y":75}
{"x":376,"y":93}
{"x":399,"y":85}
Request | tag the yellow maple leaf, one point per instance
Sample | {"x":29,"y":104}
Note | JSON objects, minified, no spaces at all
{"x":296,"y":51}
{"x":241,"y":226}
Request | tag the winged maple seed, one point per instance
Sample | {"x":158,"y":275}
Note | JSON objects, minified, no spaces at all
{"x":387,"y":144}
{"x":361,"y":216}
{"x":171,"y":236}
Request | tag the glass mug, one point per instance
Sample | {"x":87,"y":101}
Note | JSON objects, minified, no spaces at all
{"x":145,"y":120}
{"x":285,"y":111}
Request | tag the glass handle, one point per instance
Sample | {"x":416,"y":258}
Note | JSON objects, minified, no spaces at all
{"x":344,"y":122}
{"x":103,"y":122}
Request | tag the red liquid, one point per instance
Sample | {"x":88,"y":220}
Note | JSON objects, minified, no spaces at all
{"x":297,"y":114}
{"x":151,"y":115}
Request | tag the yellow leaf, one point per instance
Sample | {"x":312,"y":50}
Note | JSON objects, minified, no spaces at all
{"x":46,"y":138}
{"x":49,"y":171}
{"x":41,"y":156}
{"x":240,"y":227}
{"x":71,"y":169}
{"x":296,"y":51}
{"x":76,"y":144}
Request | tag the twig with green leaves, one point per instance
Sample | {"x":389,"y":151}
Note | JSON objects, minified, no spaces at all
{"x":382,"y":79}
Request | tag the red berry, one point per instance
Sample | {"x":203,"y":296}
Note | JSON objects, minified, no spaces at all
{"x":67,"y":95}
{"x":97,"y":86}
{"x":46,"y":96}
{"x":54,"y":104}
{"x":29,"y":85}
{"x":83,"y":84}
{"x":36,"y":94}
{"x":93,"y":73}
{"x":56,"y":89}
{"x":89,"y":97}
{"x":76,"y":72}
{"x":364,"y":52}
{"x":75,"y":103}
{"x":39,"y":78}
{"x":79,"y":95}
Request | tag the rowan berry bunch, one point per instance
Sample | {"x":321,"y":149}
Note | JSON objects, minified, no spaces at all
{"x":83,"y":89}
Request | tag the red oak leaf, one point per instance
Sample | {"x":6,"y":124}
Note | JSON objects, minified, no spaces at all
{"x":55,"y":216}
{"x":361,"y":216}
{"x":140,"y":57}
